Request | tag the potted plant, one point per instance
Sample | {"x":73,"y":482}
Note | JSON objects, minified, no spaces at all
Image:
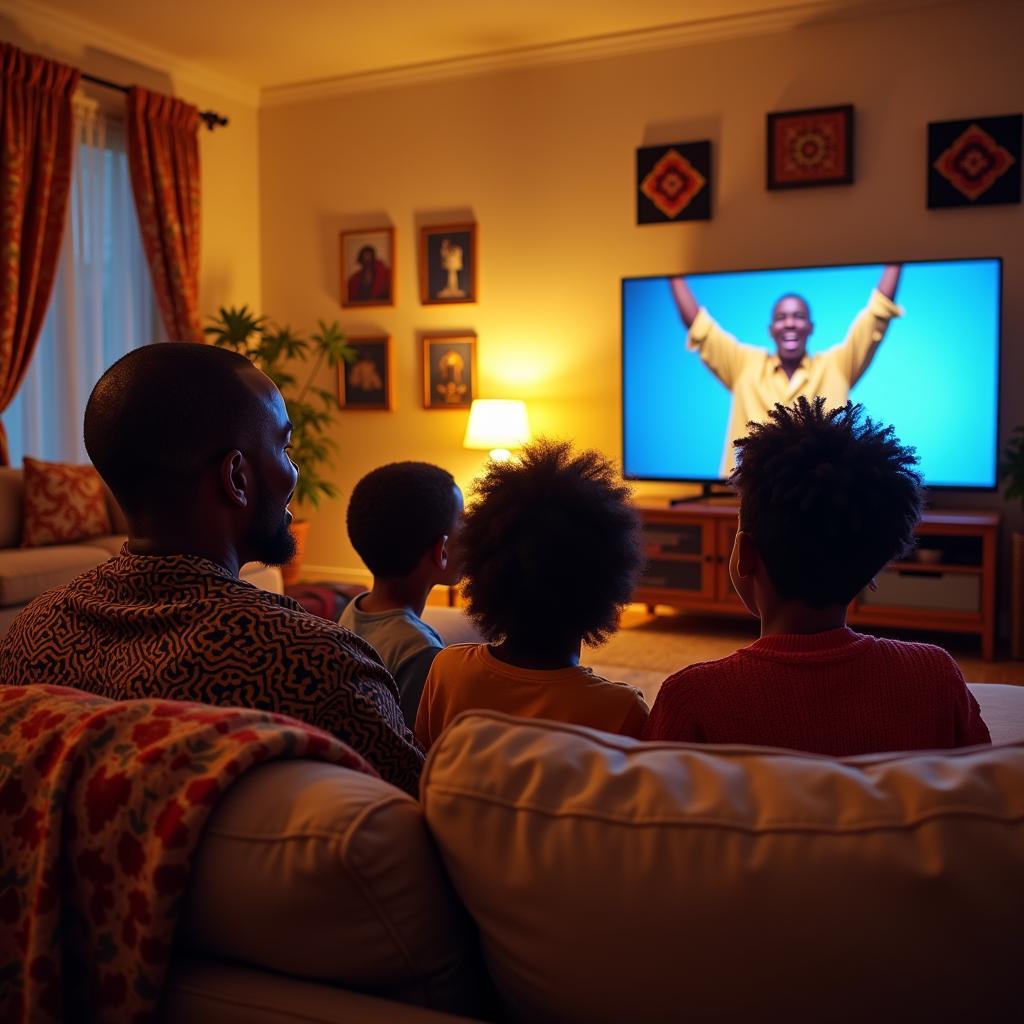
{"x":1011,"y":472}
{"x":279,"y":352}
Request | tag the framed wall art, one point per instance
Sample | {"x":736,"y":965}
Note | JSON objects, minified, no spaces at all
{"x":449,"y":371}
{"x":368,"y":267}
{"x":974,"y":162}
{"x":448,"y":260}
{"x":807,"y":148}
{"x":673,"y":182}
{"x":366,"y":383}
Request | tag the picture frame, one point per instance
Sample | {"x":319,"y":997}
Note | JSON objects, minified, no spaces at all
{"x":975,"y":161}
{"x":810,"y":148}
{"x":673,"y":182}
{"x":368,"y":267}
{"x":368,"y":383}
{"x":448,"y":264}
{"x":449,"y":371}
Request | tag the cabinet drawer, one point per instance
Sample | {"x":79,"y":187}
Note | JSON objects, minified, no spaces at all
{"x":672,"y":539}
{"x":662,"y":574}
{"x":953,"y":592}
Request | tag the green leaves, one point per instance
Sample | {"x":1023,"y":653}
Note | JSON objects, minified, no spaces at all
{"x":277,"y":351}
{"x":1011,"y":469}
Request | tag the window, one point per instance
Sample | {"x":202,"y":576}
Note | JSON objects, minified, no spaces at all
{"x":102,"y":304}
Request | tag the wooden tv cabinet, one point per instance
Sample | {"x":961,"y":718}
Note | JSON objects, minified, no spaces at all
{"x":688,"y":549}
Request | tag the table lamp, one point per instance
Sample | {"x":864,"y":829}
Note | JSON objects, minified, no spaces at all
{"x":497,"y":425}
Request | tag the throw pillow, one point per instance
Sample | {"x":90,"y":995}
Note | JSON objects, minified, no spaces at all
{"x":63,"y":504}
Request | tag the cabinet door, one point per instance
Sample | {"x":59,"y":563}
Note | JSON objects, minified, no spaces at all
{"x":680,"y":559}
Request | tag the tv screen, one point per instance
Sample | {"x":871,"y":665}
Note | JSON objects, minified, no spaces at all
{"x":930,"y":368}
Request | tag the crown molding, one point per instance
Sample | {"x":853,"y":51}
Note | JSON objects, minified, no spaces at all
{"x":56,"y":30}
{"x":621,"y":44}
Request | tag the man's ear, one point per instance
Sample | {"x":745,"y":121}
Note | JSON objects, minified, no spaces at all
{"x":747,"y":556}
{"x":235,"y":478}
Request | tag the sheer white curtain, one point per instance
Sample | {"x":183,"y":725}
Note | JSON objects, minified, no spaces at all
{"x":102,"y":303}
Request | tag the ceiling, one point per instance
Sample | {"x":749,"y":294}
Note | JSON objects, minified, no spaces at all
{"x":264,"y":44}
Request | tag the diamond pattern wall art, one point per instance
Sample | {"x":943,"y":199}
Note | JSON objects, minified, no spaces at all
{"x":976,"y":162}
{"x":673,"y":182}
{"x":807,"y":148}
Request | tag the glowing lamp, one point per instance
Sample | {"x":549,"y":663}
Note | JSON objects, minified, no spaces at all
{"x":497,"y":425}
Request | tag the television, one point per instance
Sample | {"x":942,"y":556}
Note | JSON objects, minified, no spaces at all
{"x":934,"y":375}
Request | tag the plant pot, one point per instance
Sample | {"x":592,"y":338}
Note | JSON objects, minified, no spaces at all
{"x":293,"y":570}
{"x":1017,"y":597}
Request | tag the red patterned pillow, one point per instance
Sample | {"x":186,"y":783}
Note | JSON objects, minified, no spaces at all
{"x":63,"y":504}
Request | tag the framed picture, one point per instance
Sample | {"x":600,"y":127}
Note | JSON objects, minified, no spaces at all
{"x":976,"y":162}
{"x":807,"y":148}
{"x":448,"y":260}
{"x":366,"y":383}
{"x":449,"y":371}
{"x":368,"y":267}
{"x":673,"y":182}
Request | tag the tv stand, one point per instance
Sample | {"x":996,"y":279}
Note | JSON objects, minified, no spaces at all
{"x":707,"y":493}
{"x":948,"y":584}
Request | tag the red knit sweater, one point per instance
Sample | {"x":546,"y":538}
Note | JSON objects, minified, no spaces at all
{"x":838,"y":693}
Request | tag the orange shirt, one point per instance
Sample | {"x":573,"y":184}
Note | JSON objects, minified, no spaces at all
{"x":467,"y":676}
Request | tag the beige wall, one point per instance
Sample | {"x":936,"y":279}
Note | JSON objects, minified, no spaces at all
{"x":230,"y":260}
{"x":543,"y":159}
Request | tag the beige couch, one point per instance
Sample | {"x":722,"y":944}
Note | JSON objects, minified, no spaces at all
{"x":26,"y":573}
{"x":607,"y":880}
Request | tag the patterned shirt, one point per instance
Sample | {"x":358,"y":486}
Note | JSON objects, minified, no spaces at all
{"x":182,"y":627}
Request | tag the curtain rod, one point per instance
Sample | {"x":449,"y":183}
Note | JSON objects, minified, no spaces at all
{"x":210,"y":117}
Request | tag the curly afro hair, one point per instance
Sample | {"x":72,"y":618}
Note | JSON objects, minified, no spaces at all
{"x":828,"y":498}
{"x":550,"y":547}
{"x":397,"y":512}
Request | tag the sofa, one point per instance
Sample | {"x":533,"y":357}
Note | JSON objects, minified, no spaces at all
{"x":26,"y":573}
{"x":554,"y":873}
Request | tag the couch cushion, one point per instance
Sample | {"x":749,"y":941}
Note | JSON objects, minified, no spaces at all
{"x":615,"y":880}
{"x":323,"y":873}
{"x":1002,"y":708}
{"x":26,"y":573}
{"x":63,"y":504}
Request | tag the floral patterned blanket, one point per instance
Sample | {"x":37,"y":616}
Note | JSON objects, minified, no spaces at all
{"x":102,"y":804}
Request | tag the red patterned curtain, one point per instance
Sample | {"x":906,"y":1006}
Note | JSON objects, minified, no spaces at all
{"x":36,"y":145}
{"x":163,"y":157}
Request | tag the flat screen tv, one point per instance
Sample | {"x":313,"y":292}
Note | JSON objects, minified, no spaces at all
{"x":934,"y":374}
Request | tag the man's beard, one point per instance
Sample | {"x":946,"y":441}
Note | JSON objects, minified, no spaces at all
{"x":270,"y":539}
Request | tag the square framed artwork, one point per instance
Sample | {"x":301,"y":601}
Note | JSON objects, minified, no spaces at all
{"x":808,"y":148}
{"x":368,"y":267}
{"x":673,"y":182}
{"x":366,"y":383}
{"x":448,"y":260}
{"x":449,"y":371}
{"x":974,"y":162}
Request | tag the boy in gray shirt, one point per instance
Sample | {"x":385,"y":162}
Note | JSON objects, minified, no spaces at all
{"x":402,"y":519}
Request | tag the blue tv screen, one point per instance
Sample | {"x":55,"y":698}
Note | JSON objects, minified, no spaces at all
{"x":933,"y":375}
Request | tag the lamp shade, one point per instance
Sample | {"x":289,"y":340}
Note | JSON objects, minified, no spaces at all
{"x":497,"y":423}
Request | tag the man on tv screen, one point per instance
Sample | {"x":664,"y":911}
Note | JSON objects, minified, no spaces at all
{"x":758,"y":377}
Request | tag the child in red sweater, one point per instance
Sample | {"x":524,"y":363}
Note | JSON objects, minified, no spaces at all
{"x":826,"y":500}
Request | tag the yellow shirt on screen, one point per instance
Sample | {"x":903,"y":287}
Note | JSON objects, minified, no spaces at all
{"x":757,"y":380}
{"x":466,"y":676}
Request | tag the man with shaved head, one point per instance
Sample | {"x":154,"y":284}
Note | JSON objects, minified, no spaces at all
{"x":193,"y":441}
{"x":758,"y":378}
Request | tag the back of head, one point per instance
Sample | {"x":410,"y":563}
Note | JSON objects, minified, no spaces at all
{"x":828,"y":497}
{"x":397,"y":512}
{"x":551,"y":548}
{"x":162,"y":414}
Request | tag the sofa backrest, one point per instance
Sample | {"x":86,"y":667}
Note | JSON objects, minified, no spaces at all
{"x":613,"y":880}
{"x":12,"y":499}
{"x":322,"y":873}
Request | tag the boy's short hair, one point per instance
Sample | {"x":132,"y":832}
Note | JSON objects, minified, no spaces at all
{"x":397,"y":512}
{"x":828,"y":498}
{"x":550,"y":547}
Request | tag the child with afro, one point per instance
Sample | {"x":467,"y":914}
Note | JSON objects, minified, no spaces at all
{"x":827,"y":499}
{"x":550,"y":553}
